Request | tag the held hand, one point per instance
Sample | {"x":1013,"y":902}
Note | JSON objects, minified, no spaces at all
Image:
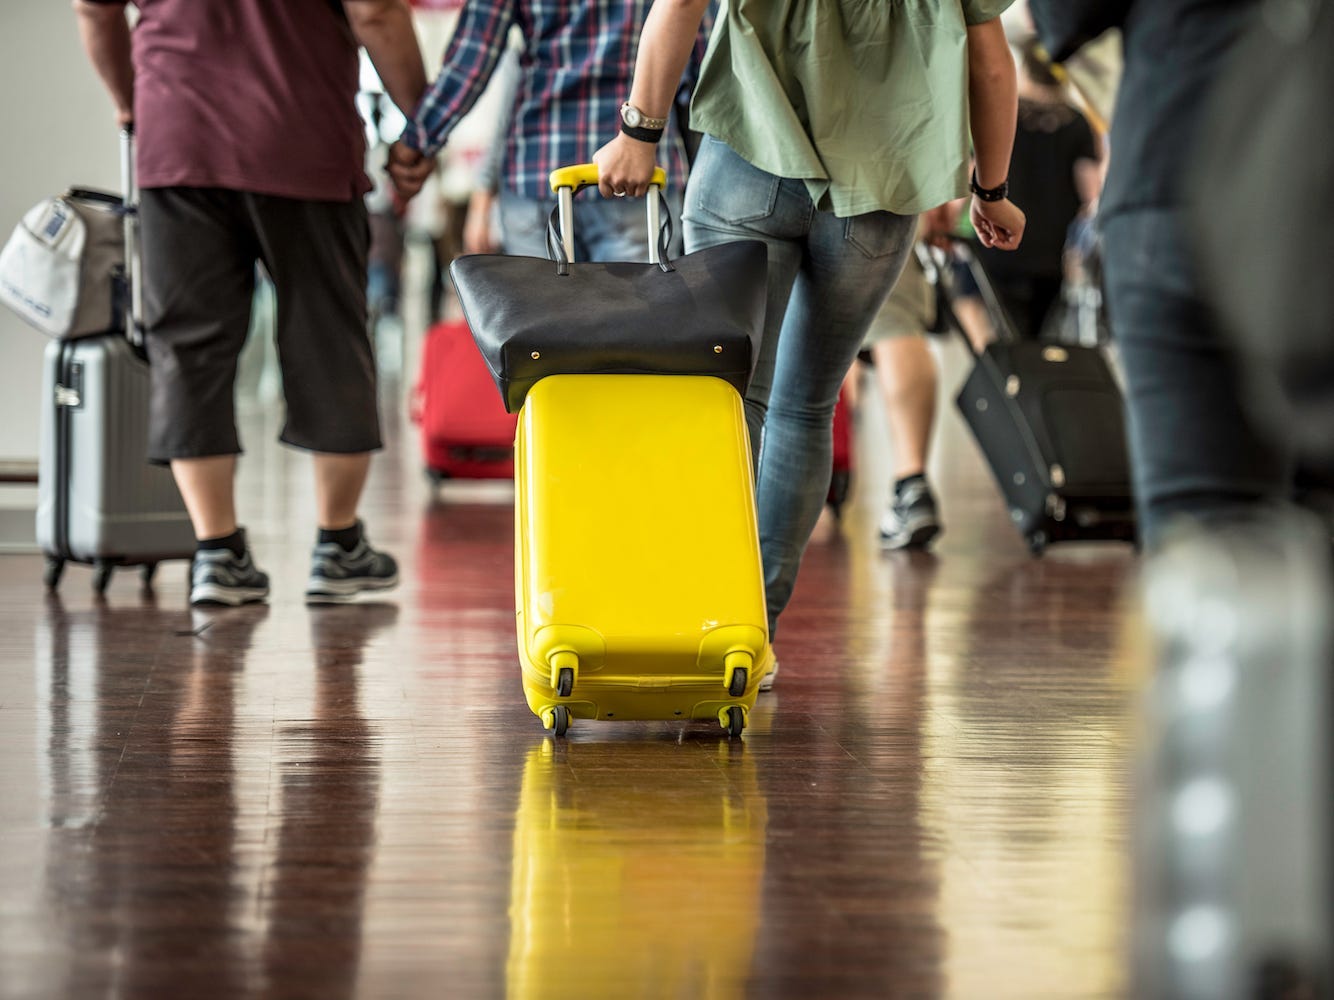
{"x":478,"y":234}
{"x":940,"y":223}
{"x":408,"y":170}
{"x":625,"y":167}
{"x":999,"y":224}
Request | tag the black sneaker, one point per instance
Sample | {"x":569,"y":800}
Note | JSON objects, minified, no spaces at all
{"x":910,"y":520}
{"x":219,"y":576}
{"x":338,"y":576}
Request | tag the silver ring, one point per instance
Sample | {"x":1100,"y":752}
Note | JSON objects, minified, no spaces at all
{"x":619,"y":194}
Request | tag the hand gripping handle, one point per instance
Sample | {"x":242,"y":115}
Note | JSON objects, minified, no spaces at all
{"x":568,"y":181}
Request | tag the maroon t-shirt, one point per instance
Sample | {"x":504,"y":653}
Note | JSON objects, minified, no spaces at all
{"x":252,"y":95}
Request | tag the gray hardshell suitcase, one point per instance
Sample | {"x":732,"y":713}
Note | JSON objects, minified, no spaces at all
{"x":99,"y":501}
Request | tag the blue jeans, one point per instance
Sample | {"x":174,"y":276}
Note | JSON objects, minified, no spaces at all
{"x":1194,"y":449}
{"x":604,"y":228}
{"x":827,"y":280}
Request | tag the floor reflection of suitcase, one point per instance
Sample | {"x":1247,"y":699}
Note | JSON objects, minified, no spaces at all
{"x":637,"y":872}
{"x":639,"y":589}
{"x":466,"y":433}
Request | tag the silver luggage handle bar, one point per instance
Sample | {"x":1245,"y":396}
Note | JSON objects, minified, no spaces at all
{"x":567,"y":180}
{"x":130,"y":193}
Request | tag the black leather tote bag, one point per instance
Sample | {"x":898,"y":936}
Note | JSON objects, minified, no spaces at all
{"x":700,"y":314}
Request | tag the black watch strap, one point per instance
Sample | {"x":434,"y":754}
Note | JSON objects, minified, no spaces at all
{"x":999,"y":193}
{"x":642,"y":134}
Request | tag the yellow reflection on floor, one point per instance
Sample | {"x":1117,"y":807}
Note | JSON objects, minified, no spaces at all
{"x":637,"y":868}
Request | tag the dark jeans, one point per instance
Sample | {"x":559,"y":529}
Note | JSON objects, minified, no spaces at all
{"x":1195,"y":451}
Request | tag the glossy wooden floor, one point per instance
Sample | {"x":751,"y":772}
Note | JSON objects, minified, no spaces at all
{"x":355,"y":801}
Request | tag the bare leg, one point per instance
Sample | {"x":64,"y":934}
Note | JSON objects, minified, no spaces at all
{"x":339,"y":480}
{"x":206,"y":486}
{"x":975,"y":322}
{"x":907,"y":374}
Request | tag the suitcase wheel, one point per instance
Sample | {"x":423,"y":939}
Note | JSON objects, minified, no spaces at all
{"x":736,"y":672}
{"x":55,"y":568}
{"x":564,"y":663}
{"x":560,"y":720}
{"x":733,"y":719}
{"x":1037,"y":543}
{"x":102,"y":571}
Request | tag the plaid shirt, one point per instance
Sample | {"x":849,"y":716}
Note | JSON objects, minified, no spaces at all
{"x":577,"y":62}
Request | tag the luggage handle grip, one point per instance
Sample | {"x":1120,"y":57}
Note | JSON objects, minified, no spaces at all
{"x":566,"y":182}
{"x":583,"y":175}
{"x":133,"y":324}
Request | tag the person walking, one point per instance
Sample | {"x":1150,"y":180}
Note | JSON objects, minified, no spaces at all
{"x":1196,"y":451}
{"x":574,"y":70}
{"x":250,"y":149}
{"x":1056,"y":171}
{"x":827,"y":129}
{"x":905,"y":371}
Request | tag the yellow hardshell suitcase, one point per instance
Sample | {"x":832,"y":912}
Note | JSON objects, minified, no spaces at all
{"x":639,"y":588}
{"x":638,"y":584}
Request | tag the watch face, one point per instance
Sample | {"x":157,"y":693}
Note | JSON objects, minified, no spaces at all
{"x":631,"y":116}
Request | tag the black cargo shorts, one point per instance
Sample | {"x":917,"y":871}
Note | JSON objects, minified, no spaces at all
{"x":200,"y":246}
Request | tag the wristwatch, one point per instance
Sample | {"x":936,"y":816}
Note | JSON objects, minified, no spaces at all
{"x":998,"y":193}
{"x":638,"y":125}
{"x":635,"y":118}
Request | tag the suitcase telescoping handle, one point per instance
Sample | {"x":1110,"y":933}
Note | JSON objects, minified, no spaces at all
{"x":1000,"y":318}
{"x":567,"y":181}
{"x":130,"y":195}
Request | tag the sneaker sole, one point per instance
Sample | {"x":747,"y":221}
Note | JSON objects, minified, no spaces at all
{"x":230,"y":597}
{"x":767,"y":681}
{"x":321,"y":591}
{"x":918,"y":537}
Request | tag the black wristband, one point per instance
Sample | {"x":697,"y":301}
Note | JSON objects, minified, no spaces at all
{"x":652,"y":135}
{"x":999,"y":193}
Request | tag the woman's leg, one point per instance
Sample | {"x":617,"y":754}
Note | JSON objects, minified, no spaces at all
{"x":727,"y":200}
{"x":848,"y":269}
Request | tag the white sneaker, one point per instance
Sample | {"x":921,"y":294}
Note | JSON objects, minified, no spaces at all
{"x":911,"y":520}
{"x":767,"y":681}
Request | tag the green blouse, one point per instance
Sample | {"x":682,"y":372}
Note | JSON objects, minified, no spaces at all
{"x":864,"y":100}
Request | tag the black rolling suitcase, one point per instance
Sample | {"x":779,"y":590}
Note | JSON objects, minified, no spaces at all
{"x":1050,"y":420}
{"x":99,"y":501}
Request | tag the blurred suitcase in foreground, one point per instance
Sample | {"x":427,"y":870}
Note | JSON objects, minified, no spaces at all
{"x":1050,"y":420}
{"x":99,"y":500}
{"x":1234,"y":816}
{"x":465,"y":431}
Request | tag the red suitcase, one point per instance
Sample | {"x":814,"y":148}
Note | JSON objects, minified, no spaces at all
{"x":840,"y":482}
{"x":465,"y":431}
